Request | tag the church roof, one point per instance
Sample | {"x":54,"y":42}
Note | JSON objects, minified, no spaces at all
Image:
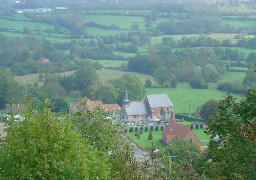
{"x":159,"y":100}
{"x":136,"y":108}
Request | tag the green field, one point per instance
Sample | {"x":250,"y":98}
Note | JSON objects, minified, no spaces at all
{"x":186,"y":99}
{"x":107,"y":74}
{"x":110,"y":63}
{"x":233,"y":77}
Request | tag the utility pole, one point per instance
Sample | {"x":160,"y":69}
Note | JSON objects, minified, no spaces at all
{"x":189,"y":108}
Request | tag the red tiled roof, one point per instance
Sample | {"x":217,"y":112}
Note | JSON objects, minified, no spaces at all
{"x":85,"y":104}
{"x":110,"y":107}
{"x":43,"y":60}
{"x":176,"y":130}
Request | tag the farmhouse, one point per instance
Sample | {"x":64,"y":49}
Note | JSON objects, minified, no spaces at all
{"x":15,"y":108}
{"x":154,"y":107}
{"x":85,"y":104}
{"x":176,"y":130}
{"x":43,"y":60}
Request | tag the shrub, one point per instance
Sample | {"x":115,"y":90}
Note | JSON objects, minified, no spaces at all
{"x":151,"y":128}
{"x":136,"y":129}
{"x":191,"y":126}
{"x":156,"y":128}
{"x":138,"y":135}
{"x":201,"y":126}
{"x":131,"y":129}
{"x":146,"y":129}
{"x":141,"y":128}
{"x":125,"y":130}
{"x":150,"y":135}
{"x":141,"y":132}
{"x":198,"y":83}
{"x":162,"y":128}
{"x":197,"y":125}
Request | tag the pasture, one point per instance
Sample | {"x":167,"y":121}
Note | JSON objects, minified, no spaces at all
{"x":110,"y":63}
{"x":108,"y":74}
{"x":185,"y":99}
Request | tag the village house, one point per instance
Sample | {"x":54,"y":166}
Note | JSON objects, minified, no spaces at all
{"x":154,"y":107}
{"x":85,"y":104}
{"x":15,"y":108}
{"x":43,"y":60}
{"x":176,"y":130}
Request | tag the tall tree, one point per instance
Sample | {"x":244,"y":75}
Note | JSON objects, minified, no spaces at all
{"x":209,"y":108}
{"x":10,"y":90}
{"x":45,"y":146}
{"x":132,"y":84}
{"x":231,"y":153}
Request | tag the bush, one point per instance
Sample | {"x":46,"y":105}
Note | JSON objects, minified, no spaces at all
{"x":197,"y":125}
{"x":125,"y":130}
{"x":141,"y":128}
{"x":146,"y":129}
{"x":156,"y":128}
{"x":162,"y":128}
{"x":233,"y":87}
{"x":198,"y":83}
{"x":141,"y":132}
{"x":150,"y":135}
{"x":131,"y":129}
{"x":201,"y":126}
{"x":151,"y":128}
{"x":138,"y":135}
{"x":136,"y":129}
{"x":191,"y":126}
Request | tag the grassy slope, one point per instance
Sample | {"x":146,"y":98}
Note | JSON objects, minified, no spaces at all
{"x":183,"y":95}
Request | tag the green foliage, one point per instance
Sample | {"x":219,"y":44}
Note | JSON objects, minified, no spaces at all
{"x":232,"y":145}
{"x":185,"y":159}
{"x":208,"y":109}
{"x":151,"y":128}
{"x":191,"y":126}
{"x":201,"y":125}
{"x":150,"y":136}
{"x":44,"y":146}
{"x":107,"y":94}
{"x":131,"y":129}
{"x":10,"y":90}
{"x":146,"y":129}
{"x":198,"y":83}
{"x":187,"y":118}
{"x":197,"y":125}
{"x":156,"y":128}
{"x":132,"y":84}
{"x":136,"y":129}
{"x":162,"y":128}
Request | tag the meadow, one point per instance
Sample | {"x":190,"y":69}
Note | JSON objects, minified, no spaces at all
{"x":186,"y":99}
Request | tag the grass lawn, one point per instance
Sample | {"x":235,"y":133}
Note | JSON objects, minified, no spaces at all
{"x":233,"y":77}
{"x":185,"y":123}
{"x":202,"y":136}
{"x":143,"y":141}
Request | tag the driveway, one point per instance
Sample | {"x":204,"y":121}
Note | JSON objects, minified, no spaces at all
{"x":2,"y":127}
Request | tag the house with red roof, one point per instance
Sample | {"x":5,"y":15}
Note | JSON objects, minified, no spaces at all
{"x":177,"y":130}
{"x":43,"y":60}
{"x":85,"y":104}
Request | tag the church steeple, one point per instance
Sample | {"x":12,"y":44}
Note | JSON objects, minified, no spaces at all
{"x":126,"y":100}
